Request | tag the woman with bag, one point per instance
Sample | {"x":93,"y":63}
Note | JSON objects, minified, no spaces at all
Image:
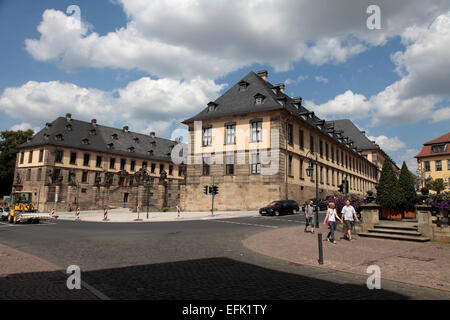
{"x":330,"y":220}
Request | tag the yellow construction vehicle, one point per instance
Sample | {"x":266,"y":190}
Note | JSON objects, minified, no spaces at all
{"x":22,"y":208}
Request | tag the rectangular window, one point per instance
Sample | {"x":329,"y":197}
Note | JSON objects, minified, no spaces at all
{"x":144,"y":164}
{"x":98,"y":177}
{"x":290,"y":166}
{"x":332,"y":177}
{"x":122,"y":164}
{"x":112,"y":163}
{"x":321,"y":148}
{"x":302,"y":139}
{"x":346,"y":161}
{"x":229,"y":164}
{"x":207,"y":136}
{"x":30,"y":156}
{"x":39,"y":174}
{"x":427,"y":166}
{"x":73,"y":158}
{"x":152,"y":167}
{"x":321,"y":174}
{"x":84,"y":177}
{"x":28,"y":174}
{"x":206,"y":165}
{"x":438,"y":165}
{"x":86,"y":159}
{"x":98,"y":162}
{"x":327,"y":151}
{"x":448,"y":165}
{"x":41,"y":155}
{"x":59,"y":156}
{"x":132,"y":165}
{"x":290,"y":133}
{"x":161,"y":168}
{"x":311,"y":143}
{"x":342,"y":158}
{"x":332,"y":154}
{"x":22,"y":156}
{"x":438,"y":148}
{"x":255,"y":163}
{"x":256,"y":131}
{"x":230,"y":134}
{"x":170,"y":170}
{"x":327,"y":178}
{"x":301,"y":168}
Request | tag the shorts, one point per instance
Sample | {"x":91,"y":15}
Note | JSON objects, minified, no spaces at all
{"x":310,"y":221}
{"x":349,"y":224}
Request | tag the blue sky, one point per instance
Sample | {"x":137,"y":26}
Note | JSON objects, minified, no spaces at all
{"x":150,"y":65}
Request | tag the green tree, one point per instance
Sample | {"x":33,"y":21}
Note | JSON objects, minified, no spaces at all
{"x":406,"y":181}
{"x":437,"y":185}
{"x":389,"y":191}
{"x":10,"y":141}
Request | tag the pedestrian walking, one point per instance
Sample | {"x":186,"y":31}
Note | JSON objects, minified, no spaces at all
{"x":348,"y":215}
{"x":309,"y":216}
{"x":331,"y":217}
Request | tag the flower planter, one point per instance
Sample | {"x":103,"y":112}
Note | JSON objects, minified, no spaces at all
{"x":390,"y":214}
{"x":409,"y":213}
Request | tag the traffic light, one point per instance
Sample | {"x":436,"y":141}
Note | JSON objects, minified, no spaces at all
{"x":205,"y":189}
{"x":215,"y":190}
{"x":341,"y":187}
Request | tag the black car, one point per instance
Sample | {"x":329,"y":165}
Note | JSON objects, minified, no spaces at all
{"x":276,"y":208}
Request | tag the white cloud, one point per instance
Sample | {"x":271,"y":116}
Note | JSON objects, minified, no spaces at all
{"x":388,"y":144}
{"x":147,"y":104}
{"x":184,"y":39}
{"x":424,"y":83}
{"x":321,"y":79}
{"x":24,"y":126}
{"x":408,"y":157}
{"x":348,"y":105}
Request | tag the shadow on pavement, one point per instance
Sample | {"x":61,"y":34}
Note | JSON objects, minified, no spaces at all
{"x":202,"y":279}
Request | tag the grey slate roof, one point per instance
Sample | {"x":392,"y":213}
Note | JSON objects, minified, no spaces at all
{"x":80,"y":130}
{"x":350,"y":130}
{"x":235,"y":102}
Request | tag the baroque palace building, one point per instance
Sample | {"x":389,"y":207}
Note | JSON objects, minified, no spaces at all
{"x":72,"y":162}
{"x":256,"y":142}
{"x":433,"y":161}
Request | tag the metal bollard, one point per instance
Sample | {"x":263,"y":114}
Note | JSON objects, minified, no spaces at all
{"x":319,"y":237}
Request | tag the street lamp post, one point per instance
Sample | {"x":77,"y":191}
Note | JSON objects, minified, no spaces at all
{"x":309,"y":172}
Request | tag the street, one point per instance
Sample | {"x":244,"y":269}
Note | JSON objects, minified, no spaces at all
{"x":202,"y":259}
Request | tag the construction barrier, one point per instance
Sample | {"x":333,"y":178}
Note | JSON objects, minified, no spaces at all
{"x":78,"y":213}
{"x":105,"y":215}
{"x":178,"y":211}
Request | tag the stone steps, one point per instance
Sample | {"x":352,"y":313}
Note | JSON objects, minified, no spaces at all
{"x":410,"y":227}
{"x":412,"y":232}
{"x":394,"y":236}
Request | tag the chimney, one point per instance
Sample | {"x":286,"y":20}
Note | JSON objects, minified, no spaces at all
{"x":152,"y":134}
{"x":125,"y":128}
{"x":263,"y":74}
{"x":68,"y":116}
{"x":281,"y":87}
{"x":94,"y":122}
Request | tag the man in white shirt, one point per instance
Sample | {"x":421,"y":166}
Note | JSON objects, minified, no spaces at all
{"x":348,"y":213}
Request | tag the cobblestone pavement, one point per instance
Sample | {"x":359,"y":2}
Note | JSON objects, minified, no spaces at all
{"x":23,"y":276}
{"x":192,"y":260}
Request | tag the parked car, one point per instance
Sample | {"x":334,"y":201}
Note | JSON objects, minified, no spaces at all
{"x":4,"y":211}
{"x":276,"y":208}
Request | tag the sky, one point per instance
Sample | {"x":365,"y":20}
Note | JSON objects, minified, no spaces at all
{"x":152,"y":64}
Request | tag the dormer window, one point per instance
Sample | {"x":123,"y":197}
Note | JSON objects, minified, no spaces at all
{"x":136,"y":140}
{"x":281,"y":101}
{"x":48,"y":125}
{"x":114,"y":136}
{"x":243,"y":86}
{"x":296,"y":106}
{"x":92,"y":132}
{"x":438,"y":148}
{"x":85,"y":141}
{"x":46,"y":136}
{"x":68,"y":127}
{"x":153,"y":143}
{"x":131,"y":149}
{"x":212,"y":106}
{"x":110,"y":146}
{"x":150,"y":152}
{"x":59,"y":137}
{"x":259,"y":99}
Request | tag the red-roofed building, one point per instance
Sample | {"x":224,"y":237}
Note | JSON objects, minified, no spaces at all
{"x":433,"y":161}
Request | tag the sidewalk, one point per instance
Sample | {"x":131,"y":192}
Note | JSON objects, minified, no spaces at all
{"x":24,"y":276}
{"x":125,"y":215}
{"x":424,"y":264}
